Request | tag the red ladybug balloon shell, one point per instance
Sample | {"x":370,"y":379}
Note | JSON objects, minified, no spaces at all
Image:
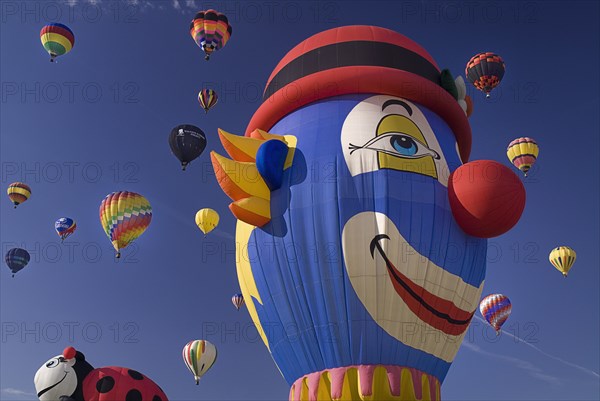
{"x":121,"y":384}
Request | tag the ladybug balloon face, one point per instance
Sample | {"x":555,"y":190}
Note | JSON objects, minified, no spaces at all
{"x":56,"y":378}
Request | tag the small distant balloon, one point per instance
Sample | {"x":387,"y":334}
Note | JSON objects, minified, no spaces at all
{"x":124,"y":217}
{"x":522,"y":153}
{"x":16,"y":259}
{"x":237,"y":300}
{"x":563,"y":259}
{"x":18,"y":193}
{"x":495,"y":308}
{"x":207,"y":219}
{"x":485,"y":71}
{"x":207,"y":99}
{"x":64,"y":227}
{"x":57,"y":39}
{"x":210,"y":30}
{"x":199,"y":356}
{"x":187,"y":142}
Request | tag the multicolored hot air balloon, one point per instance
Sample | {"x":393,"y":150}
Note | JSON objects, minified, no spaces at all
{"x":237,"y":300}
{"x":65,"y":227}
{"x":210,"y":30}
{"x":207,"y":99}
{"x":57,"y":39}
{"x":16,"y":259}
{"x":124,"y":216}
{"x":70,"y":376}
{"x":207,"y":220}
{"x":345,"y":219}
{"x":199,"y":356}
{"x":187,"y":142}
{"x":563,"y":259}
{"x":18,"y":193}
{"x":495,"y":308}
{"x":485,"y":71}
{"x":522,"y":153}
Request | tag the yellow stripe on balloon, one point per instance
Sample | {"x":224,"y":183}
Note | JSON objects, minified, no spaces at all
{"x":246,"y":278}
{"x":58,"y":38}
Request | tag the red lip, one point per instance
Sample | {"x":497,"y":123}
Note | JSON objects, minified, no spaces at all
{"x":433,"y":310}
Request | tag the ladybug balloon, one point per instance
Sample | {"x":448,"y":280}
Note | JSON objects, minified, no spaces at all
{"x":69,"y":377}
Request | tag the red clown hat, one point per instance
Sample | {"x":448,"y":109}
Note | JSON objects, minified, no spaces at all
{"x":359,"y":59}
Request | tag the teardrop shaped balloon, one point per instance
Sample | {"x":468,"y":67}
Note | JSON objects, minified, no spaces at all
{"x":18,"y":193}
{"x":563,"y":259}
{"x":522,"y":153}
{"x":210,"y":30}
{"x":207,"y":99}
{"x":16,"y":259}
{"x":187,"y":142}
{"x":199,"y":356}
{"x":57,"y":39}
{"x":485,"y":71}
{"x":124,"y":217}
{"x":64,"y":227}
{"x":207,"y":219}
{"x":237,"y":300}
{"x":495,"y":308}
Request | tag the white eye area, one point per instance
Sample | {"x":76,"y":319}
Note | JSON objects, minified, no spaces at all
{"x":398,"y":144}
{"x":53,"y":363}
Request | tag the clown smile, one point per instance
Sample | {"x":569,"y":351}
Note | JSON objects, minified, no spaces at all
{"x":424,"y":305}
{"x":445,"y":316}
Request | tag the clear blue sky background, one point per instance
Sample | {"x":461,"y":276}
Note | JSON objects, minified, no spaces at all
{"x":135,"y":73}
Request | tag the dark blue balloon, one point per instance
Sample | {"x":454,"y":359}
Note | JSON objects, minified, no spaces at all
{"x":16,"y":259}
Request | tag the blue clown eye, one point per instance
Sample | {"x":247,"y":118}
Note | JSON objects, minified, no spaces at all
{"x":404,"y":145}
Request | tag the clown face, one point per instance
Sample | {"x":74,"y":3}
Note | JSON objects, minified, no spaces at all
{"x":56,"y":378}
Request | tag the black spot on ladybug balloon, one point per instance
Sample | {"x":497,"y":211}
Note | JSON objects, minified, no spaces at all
{"x":69,"y":377}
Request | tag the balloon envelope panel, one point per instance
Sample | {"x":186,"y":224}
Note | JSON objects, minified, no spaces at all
{"x":362,"y":261}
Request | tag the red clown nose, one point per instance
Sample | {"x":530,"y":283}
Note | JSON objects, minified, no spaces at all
{"x":486,"y":198}
{"x":69,"y":353}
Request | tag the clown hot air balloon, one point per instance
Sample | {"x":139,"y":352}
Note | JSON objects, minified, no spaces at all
{"x":344,"y":216}
{"x":57,"y":39}
{"x":210,"y":30}
{"x":65,"y":227}
{"x":485,"y":71}
{"x":237,"y":300}
{"x":199,"y":356}
{"x":522,"y":153}
{"x":207,"y":220}
{"x":495,"y":308}
{"x":187,"y":142}
{"x":18,"y":193}
{"x":124,"y":216}
{"x":207,"y":99}
{"x":16,"y":259}
{"x":563,"y":259}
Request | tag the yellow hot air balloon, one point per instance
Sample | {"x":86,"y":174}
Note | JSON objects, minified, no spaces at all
{"x":563,"y":258}
{"x":522,"y":153}
{"x":206,"y":220}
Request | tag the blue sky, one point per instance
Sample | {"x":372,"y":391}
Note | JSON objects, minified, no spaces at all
{"x":98,"y":121}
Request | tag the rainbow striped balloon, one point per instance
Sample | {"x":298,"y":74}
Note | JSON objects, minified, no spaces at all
{"x":495,"y":308}
{"x":199,"y":356}
{"x":522,"y":153}
{"x":124,"y":216}
{"x":207,"y":99}
{"x":18,"y":193}
{"x":57,"y":39}
{"x":210,"y":30}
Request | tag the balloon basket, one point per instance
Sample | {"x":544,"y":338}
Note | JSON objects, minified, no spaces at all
{"x":366,"y":382}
